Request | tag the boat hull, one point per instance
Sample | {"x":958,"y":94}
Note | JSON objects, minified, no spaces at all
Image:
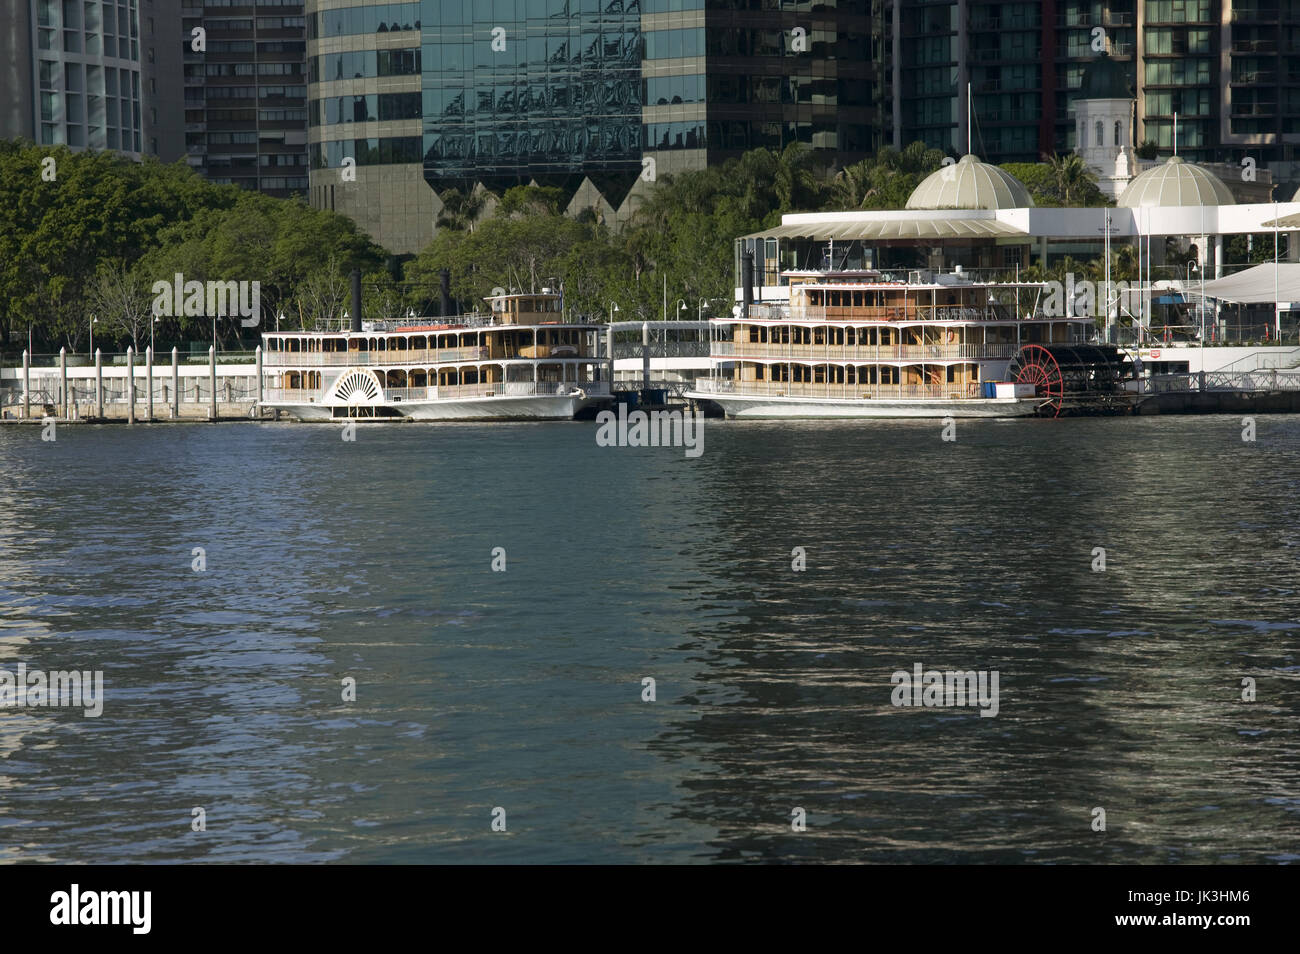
{"x":536,"y":407}
{"x":761,"y":407}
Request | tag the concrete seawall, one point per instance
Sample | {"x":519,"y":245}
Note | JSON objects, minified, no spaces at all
{"x":1220,"y":402}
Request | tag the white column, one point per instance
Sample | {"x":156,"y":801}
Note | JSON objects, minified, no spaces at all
{"x":130,"y":385}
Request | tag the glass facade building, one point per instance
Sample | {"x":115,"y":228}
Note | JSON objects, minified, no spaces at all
{"x":562,"y":92}
{"x":246,"y":93}
{"x":522,"y":89}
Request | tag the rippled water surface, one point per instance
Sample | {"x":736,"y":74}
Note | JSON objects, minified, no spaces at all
{"x":522,"y":689}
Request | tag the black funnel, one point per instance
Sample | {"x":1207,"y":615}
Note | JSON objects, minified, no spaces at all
{"x":356,"y":299}
{"x":746,"y":281}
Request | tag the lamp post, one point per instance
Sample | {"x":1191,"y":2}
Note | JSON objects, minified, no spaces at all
{"x":278,"y":316}
{"x":699,"y":309}
{"x":612,"y":308}
{"x":681,"y":307}
{"x":1192,"y":267}
{"x":93,"y":321}
{"x":155,"y":321}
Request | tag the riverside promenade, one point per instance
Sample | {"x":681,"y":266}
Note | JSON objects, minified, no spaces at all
{"x":131,"y":387}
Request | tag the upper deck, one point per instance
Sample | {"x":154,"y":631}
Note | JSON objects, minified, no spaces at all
{"x":518,"y":327}
{"x":866,"y":296}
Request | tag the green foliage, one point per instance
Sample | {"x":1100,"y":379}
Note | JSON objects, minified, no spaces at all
{"x":105,"y":217}
{"x":886,"y":180}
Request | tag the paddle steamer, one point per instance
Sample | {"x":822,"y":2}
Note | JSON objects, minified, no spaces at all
{"x":864,"y":344}
{"x":522,"y":360}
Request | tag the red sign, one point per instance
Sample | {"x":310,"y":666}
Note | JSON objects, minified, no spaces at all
{"x":1155,"y":353}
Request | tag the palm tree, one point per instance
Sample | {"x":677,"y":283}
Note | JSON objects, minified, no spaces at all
{"x":1072,"y":176}
{"x":853,"y":185}
{"x":461,"y":209}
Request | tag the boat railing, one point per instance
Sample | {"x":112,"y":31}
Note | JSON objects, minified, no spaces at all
{"x":868,"y":352}
{"x":347,"y":359}
{"x":909,"y":311}
{"x":447,"y":391}
{"x":1260,"y":380}
{"x":841,"y":390}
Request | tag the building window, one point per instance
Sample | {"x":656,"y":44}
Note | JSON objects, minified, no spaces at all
{"x":1083,"y":136}
{"x":1101,"y":136}
{"x":1117,"y":132}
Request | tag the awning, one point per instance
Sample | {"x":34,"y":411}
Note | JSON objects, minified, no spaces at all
{"x":1285,"y":222}
{"x":902,"y":228}
{"x":1253,"y":286}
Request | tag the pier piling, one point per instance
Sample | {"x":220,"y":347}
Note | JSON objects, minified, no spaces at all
{"x":212,"y":381}
{"x":130,"y":384}
{"x":176,"y":384}
{"x":148,"y":372}
{"x":63,"y":377}
{"x":27,"y":386}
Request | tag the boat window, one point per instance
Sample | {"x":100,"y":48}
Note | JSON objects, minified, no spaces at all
{"x":758,"y":372}
{"x":850,"y":335}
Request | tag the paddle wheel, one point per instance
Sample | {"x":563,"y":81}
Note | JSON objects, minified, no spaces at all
{"x":1037,"y":366}
{"x":1074,"y":378}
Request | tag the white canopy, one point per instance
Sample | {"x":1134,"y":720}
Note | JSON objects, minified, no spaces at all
{"x":1254,"y":285}
{"x":899,"y":228}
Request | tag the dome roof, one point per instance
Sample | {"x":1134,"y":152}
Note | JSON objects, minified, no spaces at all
{"x":1175,"y":183}
{"x":970,"y":184}
{"x":1104,"y":78}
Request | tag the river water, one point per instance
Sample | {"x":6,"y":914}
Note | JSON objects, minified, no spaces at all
{"x":371,"y":560}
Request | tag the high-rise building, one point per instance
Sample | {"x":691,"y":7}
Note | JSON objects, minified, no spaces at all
{"x":1020,"y":62}
{"x":598,"y":97}
{"x":245,"y":93}
{"x":83,"y":73}
{"x":1224,"y":68}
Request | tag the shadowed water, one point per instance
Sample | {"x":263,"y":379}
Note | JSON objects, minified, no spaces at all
{"x":523,"y":689}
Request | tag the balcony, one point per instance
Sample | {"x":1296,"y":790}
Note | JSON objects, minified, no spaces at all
{"x":1253,"y":77}
{"x":1254,"y":46}
{"x":1253,"y":109}
{"x":1254,"y":16}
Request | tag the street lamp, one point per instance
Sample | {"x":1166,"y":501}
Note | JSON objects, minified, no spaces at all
{"x":612,"y":308}
{"x":1193,"y":267}
{"x":93,"y":321}
{"x":278,"y":316}
{"x":681,"y":307}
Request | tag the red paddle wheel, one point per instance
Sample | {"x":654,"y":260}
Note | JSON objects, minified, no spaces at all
{"x":1037,"y":366}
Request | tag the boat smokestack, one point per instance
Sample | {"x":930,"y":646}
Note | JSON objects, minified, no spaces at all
{"x":444,"y":281}
{"x":746,"y":282}
{"x":356,"y":299}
